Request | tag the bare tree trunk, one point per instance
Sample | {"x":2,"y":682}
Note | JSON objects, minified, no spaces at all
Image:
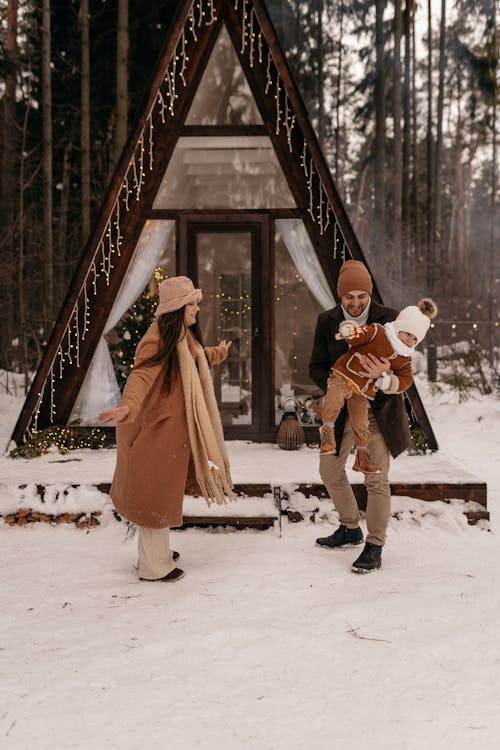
{"x":462,"y":282}
{"x":450,"y":260}
{"x":495,"y":49}
{"x":8,"y":140}
{"x":339,"y":92}
{"x":358,"y":216}
{"x":321,"y":77}
{"x":430,"y":171}
{"x":85,"y":123}
{"x":298,"y":28}
{"x":379,"y":174}
{"x":21,"y":253}
{"x":437,"y":228}
{"x":122,"y":46}
{"x":416,"y":259}
{"x":47,"y":168}
{"x":467,"y":170}
{"x":62,"y":248}
{"x":397,"y":159}
{"x":460,"y":285}
{"x":406,"y":199}
{"x":430,"y":260}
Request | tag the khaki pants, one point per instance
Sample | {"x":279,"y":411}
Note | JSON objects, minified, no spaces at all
{"x":332,"y":471}
{"x":155,"y":556}
{"x":357,"y":407}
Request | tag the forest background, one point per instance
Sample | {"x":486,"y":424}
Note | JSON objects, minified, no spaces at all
{"x":404,"y":99}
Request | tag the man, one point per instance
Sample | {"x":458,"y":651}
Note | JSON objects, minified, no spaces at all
{"x":388,"y":421}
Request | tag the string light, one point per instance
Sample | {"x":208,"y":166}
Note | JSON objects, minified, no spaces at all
{"x":64,"y":439}
{"x":259,"y":45}
{"x":278,"y":109}
{"x":243,"y":26}
{"x":192,"y":23}
{"x":325,"y":212}
{"x":310,"y":187}
{"x":289,"y":123}
{"x":184,"y":58}
{"x":269,"y":79}
{"x":213,"y":16}
{"x":251,"y":35}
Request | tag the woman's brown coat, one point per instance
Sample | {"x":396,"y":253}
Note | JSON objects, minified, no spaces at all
{"x":153,"y":454}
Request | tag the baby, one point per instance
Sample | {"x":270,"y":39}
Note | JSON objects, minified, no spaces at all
{"x":395,"y":341}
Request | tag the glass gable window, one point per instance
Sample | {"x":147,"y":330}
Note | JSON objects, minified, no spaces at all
{"x":224,"y":172}
{"x":223,"y":96}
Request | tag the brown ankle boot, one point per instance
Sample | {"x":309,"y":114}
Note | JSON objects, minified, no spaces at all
{"x":326,"y":440}
{"x":362,"y":463}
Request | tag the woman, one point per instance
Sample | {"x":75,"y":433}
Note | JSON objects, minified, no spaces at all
{"x":168,"y":428}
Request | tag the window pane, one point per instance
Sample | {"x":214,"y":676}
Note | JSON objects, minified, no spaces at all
{"x":224,"y":272}
{"x":217,"y":172}
{"x":223,"y":96}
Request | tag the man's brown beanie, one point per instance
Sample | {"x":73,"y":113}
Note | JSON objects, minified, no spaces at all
{"x":353,"y":276}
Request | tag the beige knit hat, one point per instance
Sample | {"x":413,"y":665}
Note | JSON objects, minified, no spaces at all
{"x":416,"y":319}
{"x":353,"y":277}
{"x":175,"y":293}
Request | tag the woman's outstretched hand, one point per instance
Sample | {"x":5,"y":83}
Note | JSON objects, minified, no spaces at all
{"x":118,"y":414}
{"x":224,"y":347}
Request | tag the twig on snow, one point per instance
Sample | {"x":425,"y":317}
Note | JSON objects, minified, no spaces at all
{"x":354,"y":632}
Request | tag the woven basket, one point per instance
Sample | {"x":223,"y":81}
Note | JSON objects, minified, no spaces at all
{"x":290,"y":433}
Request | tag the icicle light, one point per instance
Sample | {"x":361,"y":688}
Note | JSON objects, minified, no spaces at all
{"x":320,"y":208}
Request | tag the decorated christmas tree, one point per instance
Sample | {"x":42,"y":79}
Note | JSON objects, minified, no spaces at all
{"x":132,"y":327}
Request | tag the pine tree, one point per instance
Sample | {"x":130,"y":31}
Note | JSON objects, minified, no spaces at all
{"x":132,"y":327}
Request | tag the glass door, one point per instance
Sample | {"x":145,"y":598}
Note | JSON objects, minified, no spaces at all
{"x":224,"y":260}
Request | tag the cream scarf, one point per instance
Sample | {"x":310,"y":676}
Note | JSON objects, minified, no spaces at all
{"x":206,"y":437}
{"x":361,"y":319}
{"x":398,"y":345}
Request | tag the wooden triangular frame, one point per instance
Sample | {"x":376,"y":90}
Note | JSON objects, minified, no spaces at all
{"x":138,"y":175}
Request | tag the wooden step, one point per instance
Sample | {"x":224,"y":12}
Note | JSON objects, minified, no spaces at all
{"x":278,"y":505}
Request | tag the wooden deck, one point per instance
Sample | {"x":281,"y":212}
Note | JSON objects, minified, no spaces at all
{"x":271,"y":484}
{"x":276,"y":506}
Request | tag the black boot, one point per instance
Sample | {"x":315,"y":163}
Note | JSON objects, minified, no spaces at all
{"x":370,"y":559}
{"x":342,"y":537}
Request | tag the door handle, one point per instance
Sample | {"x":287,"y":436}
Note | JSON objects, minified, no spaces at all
{"x":255,"y":333}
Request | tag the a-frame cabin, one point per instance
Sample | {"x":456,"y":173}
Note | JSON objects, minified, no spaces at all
{"x":222,"y":179}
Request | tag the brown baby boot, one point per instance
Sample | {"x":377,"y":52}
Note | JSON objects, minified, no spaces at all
{"x":327,"y":440}
{"x":362,"y":462}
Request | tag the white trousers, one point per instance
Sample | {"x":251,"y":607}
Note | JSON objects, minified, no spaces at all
{"x":155,"y":555}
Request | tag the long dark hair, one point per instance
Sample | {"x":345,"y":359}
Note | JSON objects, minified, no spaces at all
{"x":171,"y":326}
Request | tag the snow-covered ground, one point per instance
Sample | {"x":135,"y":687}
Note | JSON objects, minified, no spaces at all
{"x":267,"y":643}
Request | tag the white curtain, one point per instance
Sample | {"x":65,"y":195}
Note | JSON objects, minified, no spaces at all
{"x":100,"y":388}
{"x":299,"y":245}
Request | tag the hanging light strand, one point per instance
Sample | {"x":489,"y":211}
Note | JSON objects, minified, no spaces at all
{"x":324,"y":212}
{"x":184,"y":58}
{"x":213,"y":16}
